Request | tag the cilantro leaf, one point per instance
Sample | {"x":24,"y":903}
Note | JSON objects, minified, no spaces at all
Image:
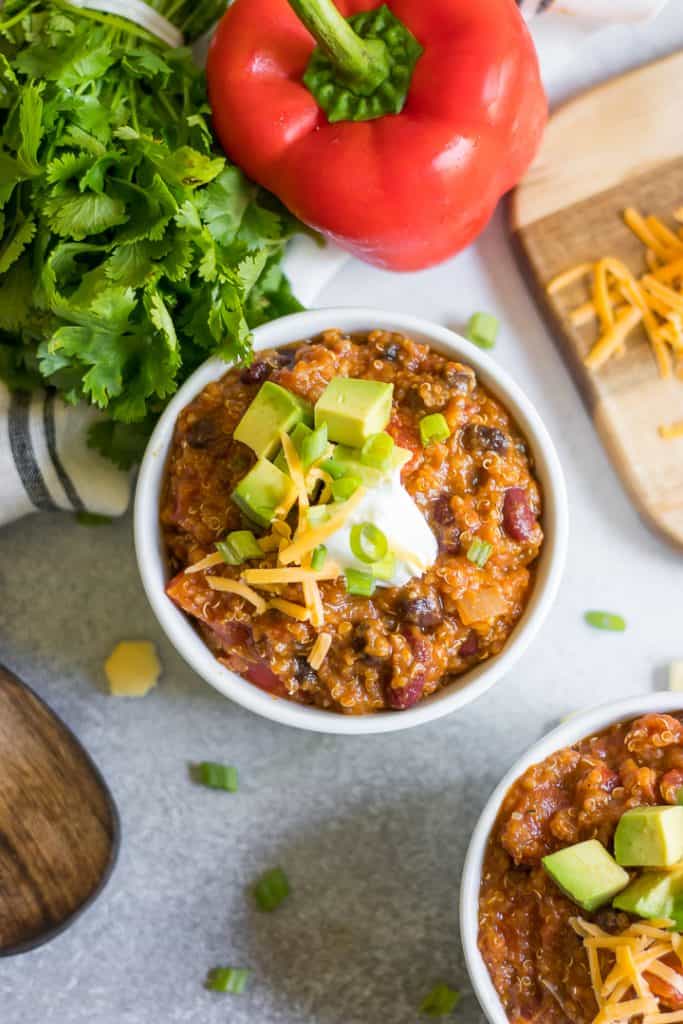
{"x":130,"y":249}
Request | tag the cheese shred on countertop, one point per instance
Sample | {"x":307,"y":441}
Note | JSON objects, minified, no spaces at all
{"x":623,"y":994}
{"x":621,"y":303}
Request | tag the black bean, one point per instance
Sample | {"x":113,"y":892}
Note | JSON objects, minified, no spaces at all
{"x":304,"y":672}
{"x":446,"y":529}
{"x":425,"y":612}
{"x":202,"y":433}
{"x":256,"y":373}
{"x":286,"y":357}
{"x":458,"y":379}
{"x":391,"y":352}
{"x":478,"y":438}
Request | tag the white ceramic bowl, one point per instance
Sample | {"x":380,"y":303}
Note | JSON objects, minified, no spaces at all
{"x":579,"y":726}
{"x":187,"y":641}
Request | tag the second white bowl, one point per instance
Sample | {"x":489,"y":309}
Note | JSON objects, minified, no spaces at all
{"x":578,"y":727}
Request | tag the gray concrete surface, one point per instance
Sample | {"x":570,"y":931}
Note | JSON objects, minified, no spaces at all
{"x":372,"y":832}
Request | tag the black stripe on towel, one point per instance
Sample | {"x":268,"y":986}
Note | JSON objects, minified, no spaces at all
{"x":22,"y":451}
{"x":51,"y":439}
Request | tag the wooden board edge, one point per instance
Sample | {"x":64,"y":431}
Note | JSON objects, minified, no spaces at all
{"x":566,"y":106}
{"x":589,"y":395}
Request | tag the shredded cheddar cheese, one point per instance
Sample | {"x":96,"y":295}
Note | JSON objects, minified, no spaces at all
{"x":671,"y":431}
{"x":621,"y":302}
{"x":205,"y":563}
{"x":296,"y":574}
{"x":239,"y":589}
{"x":624,"y":995}
{"x":319,"y":650}
{"x":295,"y":611}
{"x":309,"y":538}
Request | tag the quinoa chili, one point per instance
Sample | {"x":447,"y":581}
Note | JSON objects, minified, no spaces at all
{"x":401,"y":644}
{"x":536,"y":960}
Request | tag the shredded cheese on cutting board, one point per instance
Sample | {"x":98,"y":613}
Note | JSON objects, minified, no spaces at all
{"x":621,"y":302}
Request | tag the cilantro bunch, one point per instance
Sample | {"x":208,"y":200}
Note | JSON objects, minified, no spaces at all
{"x":129,"y":249}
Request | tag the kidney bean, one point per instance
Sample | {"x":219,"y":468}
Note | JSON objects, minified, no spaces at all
{"x":470,"y":645}
{"x":256,"y":373}
{"x":478,"y":438}
{"x":425,"y":611}
{"x":399,"y":698}
{"x":519,"y":521}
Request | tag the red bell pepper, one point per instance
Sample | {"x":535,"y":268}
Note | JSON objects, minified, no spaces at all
{"x":397,"y":133}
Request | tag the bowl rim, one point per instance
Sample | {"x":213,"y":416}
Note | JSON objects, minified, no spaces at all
{"x":576,"y":727}
{"x":186,"y":640}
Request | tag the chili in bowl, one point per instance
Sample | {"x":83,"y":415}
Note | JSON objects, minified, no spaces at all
{"x":572,"y":893}
{"x":368,"y":522}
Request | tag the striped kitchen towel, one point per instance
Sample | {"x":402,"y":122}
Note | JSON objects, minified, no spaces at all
{"x":45,"y":462}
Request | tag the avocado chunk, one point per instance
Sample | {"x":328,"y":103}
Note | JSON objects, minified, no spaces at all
{"x":654,"y":894}
{"x":260,"y":493}
{"x":272,"y":410}
{"x":586,"y":873}
{"x":354,"y":409}
{"x":649,"y":837}
{"x":349,"y":459}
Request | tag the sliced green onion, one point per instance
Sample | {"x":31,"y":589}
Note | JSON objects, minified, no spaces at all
{"x":318,"y":558}
{"x":227,"y":979}
{"x":218,"y":776}
{"x":239,"y":546}
{"x":434,"y":428}
{"x":361,"y":584}
{"x":606,"y":620}
{"x":386,"y":568}
{"x":313,"y":446}
{"x":479,"y":552}
{"x":368,"y":543}
{"x":377,"y":451}
{"x":334,"y":468}
{"x":85,"y":518}
{"x":441,"y":1001}
{"x":343,"y":489}
{"x":271,"y":889}
{"x":483,"y":329}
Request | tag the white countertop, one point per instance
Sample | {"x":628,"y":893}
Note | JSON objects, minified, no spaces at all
{"x":372,"y":832}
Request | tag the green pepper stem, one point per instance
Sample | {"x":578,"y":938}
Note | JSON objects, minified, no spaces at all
{"x":362,"y":64}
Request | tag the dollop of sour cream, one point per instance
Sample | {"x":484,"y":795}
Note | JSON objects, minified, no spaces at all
{"x":391,"y":508}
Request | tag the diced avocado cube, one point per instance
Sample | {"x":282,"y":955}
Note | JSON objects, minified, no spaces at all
{"x":298,"y":434}
{"x":349,"y":460}
{"x":354,"y":409}
{"x":649,"y":837}
{"x":654,"y":894}
{"x":260,"y":493}
{"x":272,"y":410}
{"x":586,"y":873}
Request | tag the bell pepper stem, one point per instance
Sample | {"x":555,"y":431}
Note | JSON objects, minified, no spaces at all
{"x":363,"y":64}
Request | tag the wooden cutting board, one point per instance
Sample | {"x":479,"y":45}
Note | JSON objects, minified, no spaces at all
{"x":619,"y":145}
